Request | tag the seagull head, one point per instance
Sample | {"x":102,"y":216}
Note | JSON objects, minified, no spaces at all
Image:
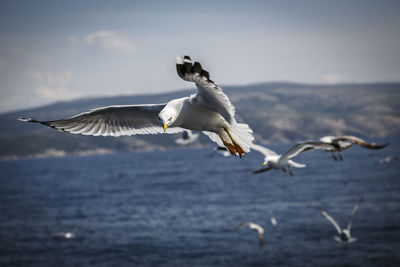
{"x":164,"y":120}
{"x":265,"y":163}
{"x":168,"y":114}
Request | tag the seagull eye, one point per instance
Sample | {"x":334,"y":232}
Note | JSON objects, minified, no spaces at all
{"x":170,"y":118}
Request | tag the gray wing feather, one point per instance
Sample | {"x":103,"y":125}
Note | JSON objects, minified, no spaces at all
{"x":307,"y":146}
{"x":242,"y":225}
{"x":263,"y":150}
{"x":331,"y":220}
{"x":354,"y":212}
{"x":263,"y":169}
{"x":359,"y":141}
{"x":113,"y":121}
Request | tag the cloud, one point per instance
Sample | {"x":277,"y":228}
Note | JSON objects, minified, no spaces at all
{"x":333,"y":78}
{"x":50,"y":86}
{"x":104,"y":39}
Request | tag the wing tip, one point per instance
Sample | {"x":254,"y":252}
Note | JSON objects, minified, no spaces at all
{"x":318,"y":207}
{"x":27,"y":119}
{"x":185,"y":66}
{"x":384,"y":145}
{"x":178,"y":60}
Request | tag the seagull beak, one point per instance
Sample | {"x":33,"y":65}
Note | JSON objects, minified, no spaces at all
{"x":264,"y":164}
{"x":165,"y":127}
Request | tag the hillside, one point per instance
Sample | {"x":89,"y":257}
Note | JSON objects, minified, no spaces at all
{"x":277,"y":112}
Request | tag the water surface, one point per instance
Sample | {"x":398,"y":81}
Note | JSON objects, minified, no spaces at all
{"x":179,"y":208}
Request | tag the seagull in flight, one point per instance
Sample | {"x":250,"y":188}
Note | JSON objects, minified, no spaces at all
{"x":343,"y":142}
{"x":70,"y":234}
{"x":223,"y":151}
{"x":273,"y":221}
{"x":209,"y":111}
{"x":344,"y":234}
{"x":274,"y":161}
{"x":255,"y":227}
{"x":187,"y":138}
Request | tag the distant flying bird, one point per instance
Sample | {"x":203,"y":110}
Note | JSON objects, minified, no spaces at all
{"x":256,"y":227}
{"x":187,"y":138}
{"x":275,"y":161}
{"x":387,"y":159}
{"x":209,"y":111}
{"x":223,"y":151}
{"x":344,"y":234}
{"x":70,"y":234}
{"x":343,"y":142}
{"x":273,"y":220}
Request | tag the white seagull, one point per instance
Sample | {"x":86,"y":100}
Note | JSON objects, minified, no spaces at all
{"x":275,"y":161}
{"x":343,"y":142}
{"x":187,"y":138}
{"x":344,"y":234}
{"x":253,"y":226}
{"x":387,"y":159}
{"x":209,"y":111}
{"x":70,"y":234}
{"x":223,"y":151}
{"x":274,"y":221}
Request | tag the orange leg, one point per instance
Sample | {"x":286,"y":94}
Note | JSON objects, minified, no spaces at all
{"x":230,"y":147}
{"x":238,"y":148}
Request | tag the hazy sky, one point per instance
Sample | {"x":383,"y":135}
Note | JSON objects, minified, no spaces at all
{"x":62,"y":50}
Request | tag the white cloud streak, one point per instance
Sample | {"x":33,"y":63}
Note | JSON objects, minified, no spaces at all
{"x":104,"y":39}
{"x":50,"y":86}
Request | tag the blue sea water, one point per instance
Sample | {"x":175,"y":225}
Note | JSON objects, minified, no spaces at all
{"x":179,"y":208}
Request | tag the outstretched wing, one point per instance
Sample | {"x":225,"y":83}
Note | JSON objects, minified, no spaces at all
{"x":303,"y":147}
{"x":330,"y":219}
{"x":253,"y":226}
{"x":242,"y":225}
{"x":263,"y":150}
{"x":260,"y":231}
{"x":113,"y":121}
{"x":261,"y":238}
{"x":354,"y":212}
{"x":263,"y":169}
{"x":306,"y":146}
{"x":209,"y":94}
{"x":359,"y":141}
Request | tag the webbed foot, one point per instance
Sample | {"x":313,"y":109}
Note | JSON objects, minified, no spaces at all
{"x":238,"y":148}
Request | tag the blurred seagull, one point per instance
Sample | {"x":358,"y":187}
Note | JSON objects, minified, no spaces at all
{"x":343,"y":142}
{"x":209,"y":111}
{"x":275,"y":161}
{"x":253,"y":226}
{"x":187,"y":138}
{"x":70,"y":234}
{"x":344,"y":234}
{"x":387,"y":159}
{"x":273,"y":220}
{"x":223,"y":151}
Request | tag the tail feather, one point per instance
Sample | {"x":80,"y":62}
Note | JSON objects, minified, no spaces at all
{"x":240,"y":132}
{"x":296,"y":164}
{"x":243,"y":135}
